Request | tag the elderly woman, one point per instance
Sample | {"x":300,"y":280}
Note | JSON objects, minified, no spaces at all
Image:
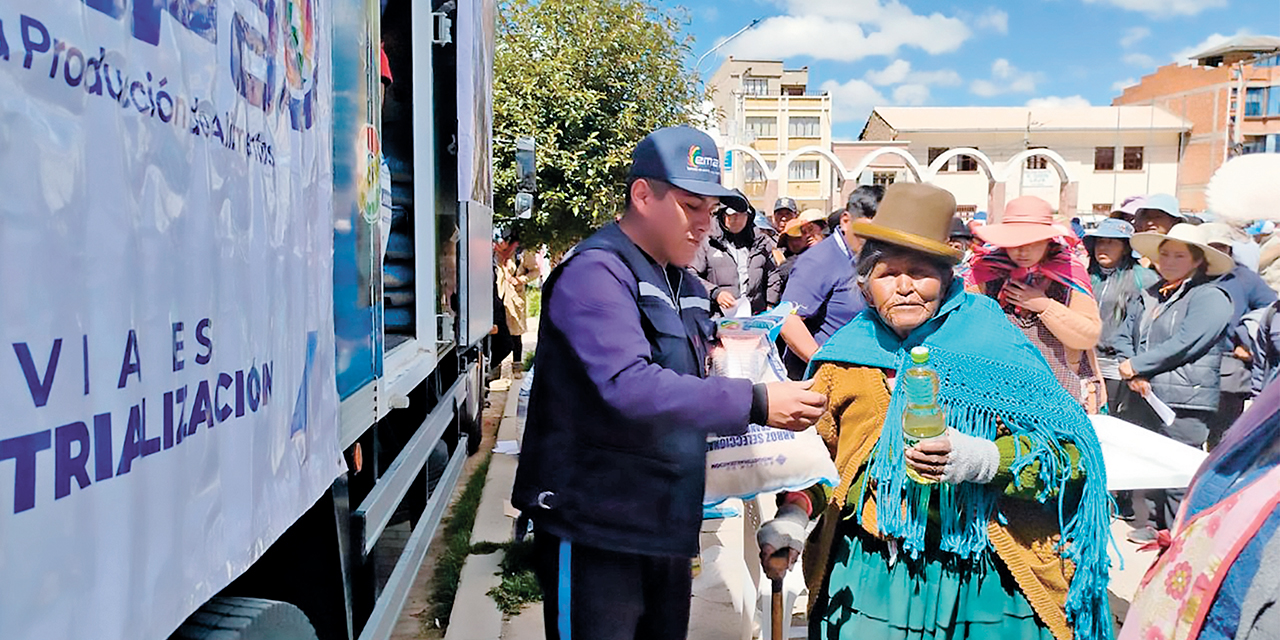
{"x":1008,"y":538}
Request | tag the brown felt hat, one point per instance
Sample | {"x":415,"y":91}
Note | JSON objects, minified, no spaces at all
{"x":916,"y":216}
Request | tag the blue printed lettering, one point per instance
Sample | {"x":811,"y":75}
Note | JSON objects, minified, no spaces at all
{"x":168,"y":420}
{"x":31,"y":26}
{"x":224,"y":410}
{"x":255,"y":389}
{"x":22,"y":450}
{"x":266,"y":382}
{"x":132,"y":363}
{"x":177,"y":346}
{"x":202,"y":336}
{"x":201,"y":409}
{"x":239,"y":393}
{"x":136,"y":444}
{"x":39,"y":388}
{"x":67,"y":466}
{"x":4,"y":44}
{"x":102,"y":460}
{"x":180,"y":401}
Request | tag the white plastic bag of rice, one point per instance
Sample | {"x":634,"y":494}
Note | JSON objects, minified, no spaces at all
{"x":764,"y":459}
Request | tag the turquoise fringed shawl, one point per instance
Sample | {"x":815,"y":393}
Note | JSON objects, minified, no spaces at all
{"x":988,"y":371}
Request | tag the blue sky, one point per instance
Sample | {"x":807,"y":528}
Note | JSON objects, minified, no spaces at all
{"x":914,"y":52}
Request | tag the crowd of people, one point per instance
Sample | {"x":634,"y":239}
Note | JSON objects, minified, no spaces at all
{"x":1033,"y":324}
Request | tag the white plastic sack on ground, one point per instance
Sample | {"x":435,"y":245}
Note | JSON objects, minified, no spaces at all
{"x":762,"y":460}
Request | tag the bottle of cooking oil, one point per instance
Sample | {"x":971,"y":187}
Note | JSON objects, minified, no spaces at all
{"x":923,"y":419}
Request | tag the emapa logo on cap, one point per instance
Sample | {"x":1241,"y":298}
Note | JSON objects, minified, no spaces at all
{"x":699,"y":162}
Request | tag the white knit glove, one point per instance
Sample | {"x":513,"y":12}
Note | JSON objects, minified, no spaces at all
{"x":972,"y":459}
{"x":786,"y":530}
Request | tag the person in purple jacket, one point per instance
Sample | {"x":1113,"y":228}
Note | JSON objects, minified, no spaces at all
{"x":821,"y":284}
{"x":612,"y":466}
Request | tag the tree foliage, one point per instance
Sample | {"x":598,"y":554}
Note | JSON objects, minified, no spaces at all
{"x":588,"y":79}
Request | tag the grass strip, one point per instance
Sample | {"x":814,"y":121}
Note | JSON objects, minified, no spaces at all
{"x":519,"y":584}
{"x":457,"y":541}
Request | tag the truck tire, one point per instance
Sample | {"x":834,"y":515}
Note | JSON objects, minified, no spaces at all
{"x":246,"y":619}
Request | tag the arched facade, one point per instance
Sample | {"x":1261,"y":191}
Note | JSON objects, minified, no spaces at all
{"x":998,"y":175}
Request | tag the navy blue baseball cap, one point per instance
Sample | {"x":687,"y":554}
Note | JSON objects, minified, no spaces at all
{"x":687,"y":158}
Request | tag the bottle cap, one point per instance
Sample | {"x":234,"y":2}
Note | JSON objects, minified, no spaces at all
{"x":920,"y":355}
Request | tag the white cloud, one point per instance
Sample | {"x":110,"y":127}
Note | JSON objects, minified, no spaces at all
{"x":1055,"y":102}
{"x":1164,"y":8}
{"x":853,"y":100}
{"x":1134,"y":36}
{"x":911,"y":94}
{"x":1135,"y":59}
{"x":1184,"y":56}
{"x":1121,"y":85}
{"x":994,"y":19}
{"x":895,"y":73}
{"x":847,"y":31}
{"x":1005,"y":78}
{"x":899,"y":71}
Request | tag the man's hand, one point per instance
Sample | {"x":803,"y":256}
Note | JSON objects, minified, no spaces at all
{"x":726,"y":300}
{"x":792,"y":406}
{"x":1126,"y":370}
{"x":1242,"y":354}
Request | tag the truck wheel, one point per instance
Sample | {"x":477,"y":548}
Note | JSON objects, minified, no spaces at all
{"x":246,"y":619}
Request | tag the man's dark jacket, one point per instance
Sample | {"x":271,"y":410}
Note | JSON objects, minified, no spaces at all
{"x":614,"y":449}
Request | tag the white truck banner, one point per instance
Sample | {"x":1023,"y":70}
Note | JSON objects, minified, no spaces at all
{"x":167,"y":397}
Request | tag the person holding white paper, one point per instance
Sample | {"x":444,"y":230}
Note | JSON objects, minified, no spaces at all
{"x":1172,"y":351}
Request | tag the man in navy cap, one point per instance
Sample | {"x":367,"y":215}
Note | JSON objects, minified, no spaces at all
{"x":612,"y":467}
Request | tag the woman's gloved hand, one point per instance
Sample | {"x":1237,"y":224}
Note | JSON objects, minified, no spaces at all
{"x":786,"y":531}
{"x":972,"y":459}
{"x":955,"y":458}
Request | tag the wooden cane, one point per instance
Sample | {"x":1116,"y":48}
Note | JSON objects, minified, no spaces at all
{"x":778,"y":564}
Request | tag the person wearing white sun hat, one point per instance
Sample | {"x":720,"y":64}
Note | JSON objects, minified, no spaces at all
{"x":1173,"y":349}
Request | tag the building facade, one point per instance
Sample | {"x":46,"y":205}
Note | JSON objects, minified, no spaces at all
{"x":762,"y":106}
{"x":1231,"y":97}
{"x":1081,"y":160}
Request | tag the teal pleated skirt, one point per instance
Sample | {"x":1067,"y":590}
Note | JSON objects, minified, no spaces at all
{"x":936,"y":596}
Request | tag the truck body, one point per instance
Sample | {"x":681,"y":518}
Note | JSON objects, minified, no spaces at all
{"x":245,"y":298}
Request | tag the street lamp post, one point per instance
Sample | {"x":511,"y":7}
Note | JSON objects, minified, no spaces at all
{"x":722,"y":43}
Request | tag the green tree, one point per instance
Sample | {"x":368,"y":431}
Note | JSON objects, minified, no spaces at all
{"x":588,"y":79}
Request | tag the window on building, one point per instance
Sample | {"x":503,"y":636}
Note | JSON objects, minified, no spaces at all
{"x":1102,"y":208}
{"x":1269,"y":61}
{"x":883,"y":178}
{"x":804,"y":127}
{"x":1133,"y":158}
{"x":1254,"y":144}
{"x":966,"y":163}
{"x":1273,"y":103}
{"x":934,"y":152}
{"x":1037,"y":162}
{"x":755,"y":86}
{"x":803,"y":170}
{"x":793,"y":90}
{"x":1104,"y":159}
{"x":762,"y":127}
{"x":1254,"y":100}
{"x":754,"y":172}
